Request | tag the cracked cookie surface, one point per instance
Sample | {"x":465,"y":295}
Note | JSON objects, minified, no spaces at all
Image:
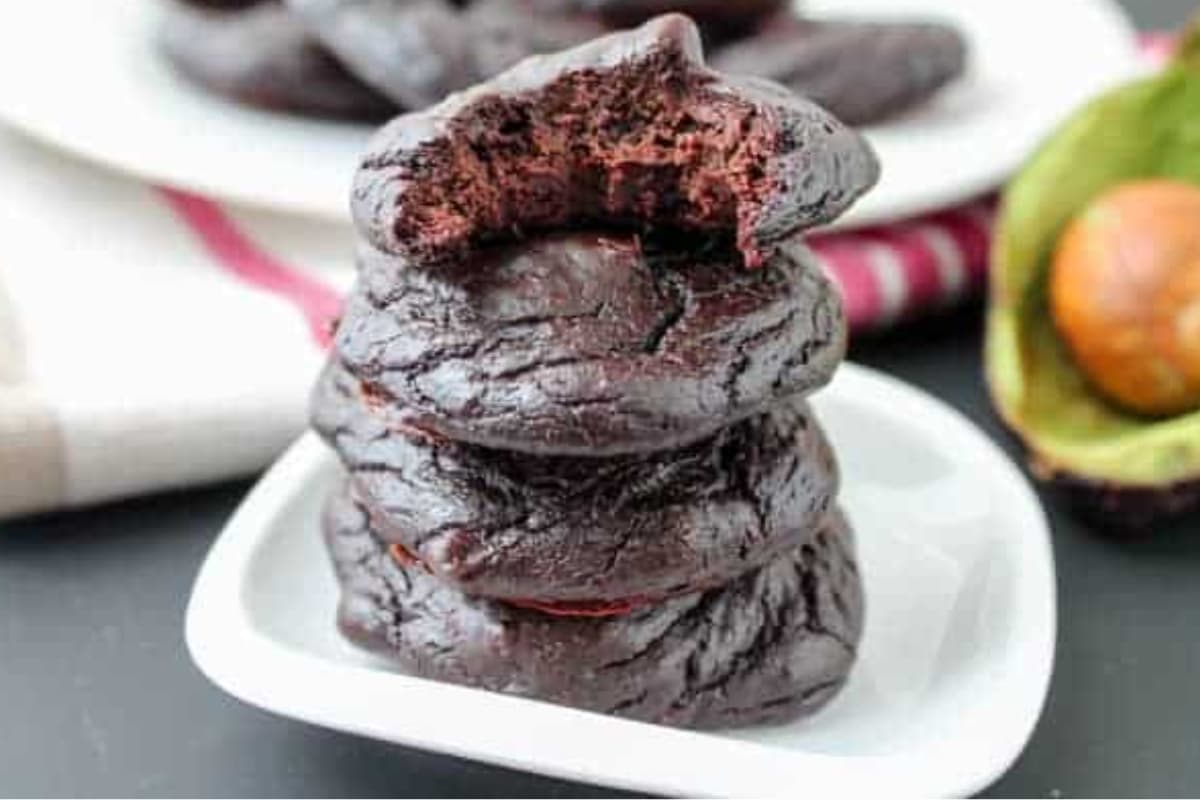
{"x":590,"y":344}
{"x":560,"y":529}
{"x":773,"y":645}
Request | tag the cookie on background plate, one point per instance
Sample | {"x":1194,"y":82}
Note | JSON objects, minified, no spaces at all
{"x":504,"y":32}
{"x":719,"y":20}
{"x":259,"y":54}
{"x":863,"y":72}
{"x":413,"y":51}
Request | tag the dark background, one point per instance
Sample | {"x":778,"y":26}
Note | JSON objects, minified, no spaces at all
{"x":98,"y":697}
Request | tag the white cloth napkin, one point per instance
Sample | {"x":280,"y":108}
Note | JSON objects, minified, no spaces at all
{"x":148,"y":340}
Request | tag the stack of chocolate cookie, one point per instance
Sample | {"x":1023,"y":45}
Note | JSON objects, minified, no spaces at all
{"x":364,"y":59}
{"x":569,"y":390}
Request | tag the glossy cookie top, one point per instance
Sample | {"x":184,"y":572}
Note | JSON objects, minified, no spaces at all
{"x":589,"y":344}
{"x":631,"y":130}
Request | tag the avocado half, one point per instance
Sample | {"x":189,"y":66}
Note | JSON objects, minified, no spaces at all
{"x":1124,"y":471}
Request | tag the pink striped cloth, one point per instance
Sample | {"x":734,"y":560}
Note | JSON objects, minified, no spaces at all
{"x":885,"y":273}
{"x":896,"y":271}
{"x":235,"y":252}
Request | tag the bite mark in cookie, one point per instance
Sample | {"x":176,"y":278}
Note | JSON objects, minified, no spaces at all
{"x":629,"y":130}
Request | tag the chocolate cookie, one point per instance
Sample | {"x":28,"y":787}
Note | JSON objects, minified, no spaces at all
{"x":261,"y":55}
{"x":504,"y":32}
{"x":719,"y":20}
{"x":739,"y":15}
{"x":775,"y":644}
{"x":554,"y":529}
{"x":589,"y":344}
{"x":863,"y":72}
{"x":413,"y":51}
{"x":630,"y":129}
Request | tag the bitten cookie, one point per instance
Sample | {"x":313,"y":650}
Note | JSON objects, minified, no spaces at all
{"x":590,"y":344}
{"x":630,"y":129}
{"x":259,"y":54}
{"x":773,"y":645}
{"x":563,"y":530}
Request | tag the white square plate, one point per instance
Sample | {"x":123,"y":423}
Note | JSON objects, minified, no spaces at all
{"x":953,"y":670}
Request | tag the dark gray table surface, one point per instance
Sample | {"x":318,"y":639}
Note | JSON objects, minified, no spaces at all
{"x":98,"y":697}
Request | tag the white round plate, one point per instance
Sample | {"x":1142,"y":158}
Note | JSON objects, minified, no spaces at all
{"x":952,"y":672}
{"x":84,"y":76}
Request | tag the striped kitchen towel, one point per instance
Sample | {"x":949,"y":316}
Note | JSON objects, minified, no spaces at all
{"x":896,"y":271}
{"x":148,"y":339}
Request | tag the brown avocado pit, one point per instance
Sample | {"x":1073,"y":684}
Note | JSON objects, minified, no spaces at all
{"x":1125,"y":295}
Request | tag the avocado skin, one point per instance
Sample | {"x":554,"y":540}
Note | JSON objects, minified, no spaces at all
{"x":1107,"y":506}
{"x":1127,"y":510}
{"x":1147,"y":128}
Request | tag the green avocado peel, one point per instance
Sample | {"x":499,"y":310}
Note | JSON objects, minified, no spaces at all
{"x":1147,"y":129}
